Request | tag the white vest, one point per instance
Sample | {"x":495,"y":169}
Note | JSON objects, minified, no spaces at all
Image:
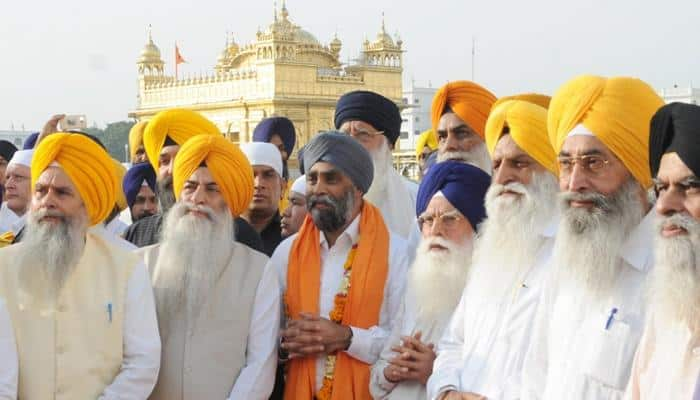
{"x":202,"y":357}
{"x":74,"y":351}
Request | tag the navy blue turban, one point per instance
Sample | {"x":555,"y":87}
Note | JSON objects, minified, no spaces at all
{"x":343,"y":152}
{"x":134,"y":179}
{"x":463,"y":185}
{"x":372,"y":108}
{"x":276,"y":125}
{"x":30,"y":141}
{"x":675,"y":128}
{"x":7,"y":150}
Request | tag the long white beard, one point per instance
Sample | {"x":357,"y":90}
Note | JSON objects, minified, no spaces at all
{"x":675,"y":279}
{"x":193,"y":254}
{"x":437,"y":279}
{"x":510,"y":239}
{"x":477,"y":156}
{"x":586,"y":252}
{"x":49,"y":255}
{"x":383,"y":165}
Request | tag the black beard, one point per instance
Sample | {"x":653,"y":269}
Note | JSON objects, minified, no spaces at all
{"x":166,"y":196}
{"x":330,"y":220}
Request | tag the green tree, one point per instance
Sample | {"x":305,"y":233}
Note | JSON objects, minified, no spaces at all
{"x":115,"y":137}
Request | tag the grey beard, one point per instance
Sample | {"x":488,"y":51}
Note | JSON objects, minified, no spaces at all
{"x":50,"y":253}
{"x":586,"y":251}
{"x":330,"y":220}
{"x":477,"y":156}
{"x":166,"y":196}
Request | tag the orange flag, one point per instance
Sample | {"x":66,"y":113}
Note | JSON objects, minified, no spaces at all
{"x":178,"y":59}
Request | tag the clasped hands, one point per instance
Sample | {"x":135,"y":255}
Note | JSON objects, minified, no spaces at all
{"x":413,"y":361}
{"x":313,"y":336}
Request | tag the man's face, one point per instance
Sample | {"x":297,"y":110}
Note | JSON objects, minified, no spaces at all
{"x":3,"y":168}
{"x":18,"y":191}
{"x":586,"y":165}
{"x":140,"y":155}
{"x":365,"y":134}
{"x":441,"y":220}
{"x":201,"y":190}
{"x":424,"y":157}
{"x":512,"y":165}
{"x":294,"y":215}
{"x":166,"y":161}
{"x":145,"y":204}
{"x":277,"y":141}
{"x":678,"y":191}
{"x":455,"y":136}
{"x":268,"y":188}
{"x":330,"y":196}
{"x":55,"y":193}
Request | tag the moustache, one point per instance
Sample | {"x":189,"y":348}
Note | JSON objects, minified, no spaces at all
{"x":207,"y":211}
{"x":515,"y":187}
{"x":324,"y":199}
{"x":598,"y":200}
{"x":41,"y":214}
{"x":683,"y":221}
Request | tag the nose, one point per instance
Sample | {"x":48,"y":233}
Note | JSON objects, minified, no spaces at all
{"x":575,"y":181}
{"x":451,"y":142}
{"x":669,"y":202}
{"x":199,"y":196}
{"x":503,"y":175}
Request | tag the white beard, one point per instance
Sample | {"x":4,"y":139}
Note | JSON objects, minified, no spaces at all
{"x":510,"y":239}
{"x":675,"y":279}
{"x":193,"y":254}
{"x":383,"y":165}
{"x":50,"y":253}
{"x":586,"y":252}
{"x":477,"y":156}
{"x":437,"y":279}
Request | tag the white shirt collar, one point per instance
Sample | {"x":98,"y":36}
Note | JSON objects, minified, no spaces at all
{"x":638,"y":248}
{"x":352,"y":232}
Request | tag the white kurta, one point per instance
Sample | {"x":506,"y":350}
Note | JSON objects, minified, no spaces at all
{"x":8,"y":356}
{"x":667,"y":363}
{"x":7,"y":218}
{"x":117,"y":227}
{"x":575,"y":353}
{"x":366,"y":343}
{"x":405,"y":325}
{"x":483,"y":348}
{"x":397,"y":202}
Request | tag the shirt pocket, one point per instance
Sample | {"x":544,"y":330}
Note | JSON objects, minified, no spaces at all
{"x":607,"y":358}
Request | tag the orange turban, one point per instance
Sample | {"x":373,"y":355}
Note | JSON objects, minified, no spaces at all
{"x":120,"y":171}
{"x":136,"y":137}
{"x":527,"y":126}
{"x":88,"y":166}
{"x":178,"y":124}
{"x":617,"y":110}
{"x":227,"y":164}
{"x":427,"y":138}
{"x":470,"y":101}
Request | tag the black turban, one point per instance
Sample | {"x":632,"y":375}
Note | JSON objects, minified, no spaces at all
{"x":276,"y":125}
{"x":675,"y":128}
{"x":345,"y":153}
{"x":7,"y":150}
{"x":372,"y":108}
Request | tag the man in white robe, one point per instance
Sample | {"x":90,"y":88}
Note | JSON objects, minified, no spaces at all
{"x":17,"y":192}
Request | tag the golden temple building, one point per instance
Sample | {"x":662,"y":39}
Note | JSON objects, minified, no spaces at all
{"x":286,"y":71}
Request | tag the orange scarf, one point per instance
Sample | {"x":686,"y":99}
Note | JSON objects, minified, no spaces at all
{"x":369,"y":272}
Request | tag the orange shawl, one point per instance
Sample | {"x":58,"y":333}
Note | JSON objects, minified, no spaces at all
{"x":369,"y":272}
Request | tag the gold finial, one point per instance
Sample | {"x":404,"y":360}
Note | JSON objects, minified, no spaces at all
{"x":285,"y":13}
{"x":383,"y":30}
{"x":274,"y":7}
{"x":150,"y":33}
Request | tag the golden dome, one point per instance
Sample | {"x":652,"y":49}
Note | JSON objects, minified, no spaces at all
{"x":150,"y":53}
{"x":305,"y":37}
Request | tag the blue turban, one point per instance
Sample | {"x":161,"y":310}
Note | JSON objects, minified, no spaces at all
{"x":30,"y":141}
{"x":463,"y":185}
{"x":134,"y":179}
{"x":276,"y":125}
{"x":372,"y":108}
{"x":343,"y":152}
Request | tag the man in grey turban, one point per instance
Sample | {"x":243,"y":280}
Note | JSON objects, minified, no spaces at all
{"x":342,"y":274}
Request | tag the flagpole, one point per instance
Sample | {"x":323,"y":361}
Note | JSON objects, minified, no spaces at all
{"x":176,"y":61}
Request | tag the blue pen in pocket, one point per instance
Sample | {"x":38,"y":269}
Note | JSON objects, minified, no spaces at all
{"x":109,"y":312}
{"x":610,"y":318}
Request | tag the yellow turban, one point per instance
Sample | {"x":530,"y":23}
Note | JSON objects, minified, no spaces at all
{"x":227,"y":164}
{"x":527,"y":125}
{"x":136,"y":137}
{"x":617,"y":110}
{"x":120,"y":171}
{"x":427,"y":138}
{"x":87,"y":164}
{"x":179,"y":125}
{"x":541,"y":100}
{"x":470,"y":101}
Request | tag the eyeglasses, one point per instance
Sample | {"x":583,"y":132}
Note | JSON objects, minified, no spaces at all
{"x":592,"y":164}
{"x":362,"y":135}
{"x":448,"y":220}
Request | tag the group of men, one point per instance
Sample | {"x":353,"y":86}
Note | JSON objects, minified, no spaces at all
{"x":549,"y":252}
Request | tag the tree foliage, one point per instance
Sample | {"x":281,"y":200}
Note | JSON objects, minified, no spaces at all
{"x":115,"y":137}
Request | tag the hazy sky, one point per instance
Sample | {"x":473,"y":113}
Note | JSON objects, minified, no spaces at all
{"x":79,"y":56}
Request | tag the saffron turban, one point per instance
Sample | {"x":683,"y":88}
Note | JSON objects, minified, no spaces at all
{"x":7,"y":150}
{"x":372,"y":108}
{"x":136,"y":137}
{"x":281,"y":126}
{"x":470,"y":101}
{"x":527,"y":126}
{"x":464,"y":186}
{"x":226,"y":163}
{"x":138,"y":175}
{"x":675,"y":128}
{"x":617,"y":110}
{"x":120,"y":171}
{"x":427,"y":138}
{"x":345,"y":153}
{"x":87,"y":165}
{"x":176,"y":124}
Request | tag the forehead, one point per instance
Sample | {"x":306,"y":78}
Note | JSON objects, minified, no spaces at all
{"x":55,"y":176}
{"x":146,"y":191}
{"x":450,"y":120}
{"x":169,"y":150}
{"x":263,"y":169}
{"x":276,"y":139}
{"x":507,"y":148}
{"x":202,"y":175}
{"x":672,"y":168}
{"x":582,"y":144}
{"x":361,"y":125}
{"x":440,"y":204}
{"x":18,"y":169}
{"x":296,"y":195}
